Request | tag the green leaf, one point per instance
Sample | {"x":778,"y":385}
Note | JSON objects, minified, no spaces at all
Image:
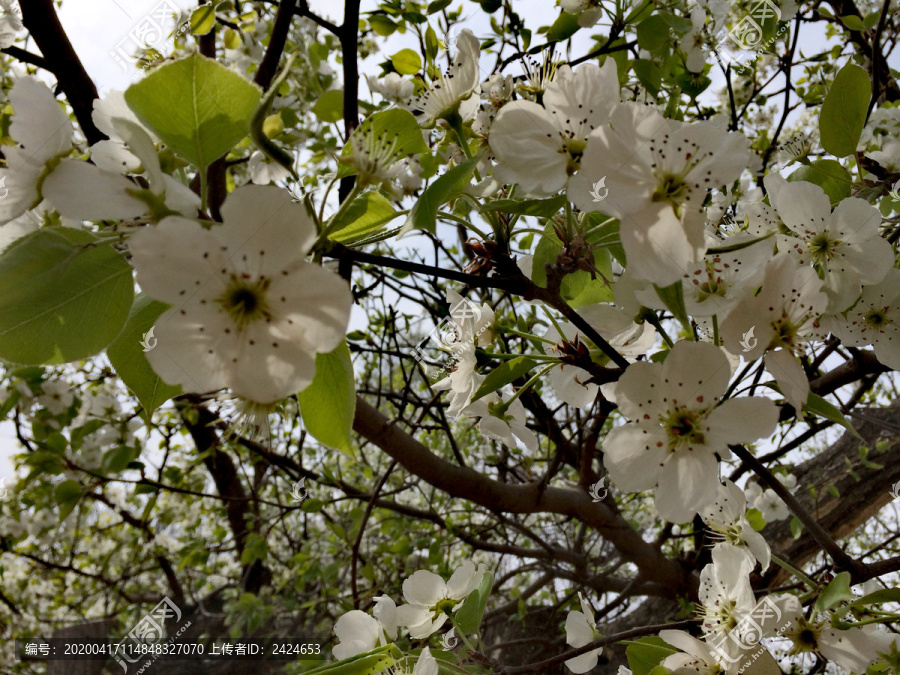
{"x":565,"y":26}
{"x":67,"y":495}
{"x":756,"y":520}
{"x":507,"y":372}
{"x":117,"y":459}
{"x":853,"y":22}
{"x":382,"y":25}
{"x":829,"y":175}
{"x":819,"y":406}
{"x":843,"y":112}
{"x":368,"y":214}
{"x":673,"y":298}
{"x":406,"y":62}
{"x":203,"y":19}
{"x":871,"y":20}
{"x":375,"y":661}
{"x":653,"y":33}
{"x":329,"y":403}
{"x":468,"y":617}
{"x":437,"y":6}
{"x":64,"y":296}
{"x":128,"y":357}
{"x":649,"y":74}
{"x":878,"y":597}
{"x":197,"y":106}
{"x":330,"y":106}
{"x":645,"y":654}
{"x":541,"y":208}
{"x":837,"y":590}
{"x":424,"y":213}
{"x":796,"y":527}
{"x":255,"y":548}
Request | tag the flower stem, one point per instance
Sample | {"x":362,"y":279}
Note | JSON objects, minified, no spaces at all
{"x":462,"y":635}
{"x":715,"y":323}
{"x":783,"y":564}
{"x":502,"y":408}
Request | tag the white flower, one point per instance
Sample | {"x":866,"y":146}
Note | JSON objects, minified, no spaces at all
{"x":771,"y":506}
{"x":725,"y":592}
{"x":581,"y":630}
{"x":695,"y":657}
{"x":358,"y":633}
{"x":727,"y":518}
{"x":112,"y":155}
{"x":264,"y":171}
{"x":540,"y":147}
{"x":57,"y":396}
{"x":852,"y":649}
{"x":844,"y":246}
{"x":783,"y":317}
{"x":462,"y":382}
{"x":875,"y":321}
{"x":588,"y":11}
{"x":426,"y":664}
{"x":692,"y":43}
{"x":617,"y":327}
{"x":716,"y":283}
{"x":393,"y":87}
{"x":10,"y":23}
{"x":430,"y":598}
{"x":657,"y":172}
{"x":443,"y":97}
{"x":505,"y":428}
{"x":676,"y":428}
{"x":385,"y":611}
{"x":752,"y":491}
{"x":248,"y":312}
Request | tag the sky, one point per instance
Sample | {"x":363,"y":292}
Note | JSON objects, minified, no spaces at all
{"x":99,"y":32}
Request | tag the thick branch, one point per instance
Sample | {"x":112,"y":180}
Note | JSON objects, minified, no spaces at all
{"x":39,"y":17}
{"x":278,"y":39}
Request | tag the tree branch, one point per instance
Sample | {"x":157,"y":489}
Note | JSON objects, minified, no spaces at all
{"x":277,"y":41}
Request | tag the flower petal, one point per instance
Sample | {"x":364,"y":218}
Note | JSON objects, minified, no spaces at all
{"x":82,"y":191}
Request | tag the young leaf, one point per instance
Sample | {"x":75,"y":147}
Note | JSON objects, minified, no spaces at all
{"x":837,"y":590}
{"x":827,"y":174}
{"x":127,"y":355}
{"x":406,"y":62}
{"x":330,"y":106}
{"x":819,"y":406}
{"x":646,"y":653}
{"x":197,"y":106}
{"x":843,"y":111}
{"x":329,"y":403}
{"x":673,"y":298}
{"x":504,"y":374}
{"x":64,"y":296}
{"x":468,"y":618}
{"x":424,"y":214}
{"x":368,"y":214}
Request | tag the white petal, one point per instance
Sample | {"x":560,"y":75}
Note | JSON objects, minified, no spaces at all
{"x":39,"y":126}
{"x":584,"y":663}
{"x":695,"y":374}
{"x":578,"y":631}
{"x":427,"y":664}
{"x":691,"y":486}
{"x":528,"y":149}
{"x":632,"y":457}
{"x":178,"y":259}
{"x":359,"y":629}
{"x":141,"y":145}
{"x":787,"y":371}
{"x":268,"y":368}
{"x":19,"y":187}
{"x":424,"y":588}
{"x":743,"y":420}
{"x":114,"y":157}
{"x":657,"y":245}
{"x":83,"y":191}
{"x":801,"y":205}
{"x":464,"y":580}
{"x":265,"y":218}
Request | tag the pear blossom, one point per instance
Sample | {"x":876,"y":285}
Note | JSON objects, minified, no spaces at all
{"x":393,"y":87}
{"x":676,"y":428}
{"x":358,"y":633}
{"x":844,"y":246}
{"x":581,"y":630}
{"x":617,"y":327}
{"x":725,"y":593}
{"x":589,"y":12}
{"x":771,"y":506}
{"x":263,"y":170}
{"x":783,"y":317}
{"x":713,"y":285}
{"x":248,"y":312}
{"x":852,"y":649}
{"x":453,"y":88}
{"x":875,"y":320}
{"x":694,"y":658}
{"x":112,"y":154}
{"x":726,"y":517}
{"x":56,"y":396}
{"x":10,"y":23}
{"x":693,"y":42}
{"x":503,"y":426}
{"x":658,"y":172}
{"x":430,"y":599}
{"x":426,"y":664}
{"x":539,"y":147}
